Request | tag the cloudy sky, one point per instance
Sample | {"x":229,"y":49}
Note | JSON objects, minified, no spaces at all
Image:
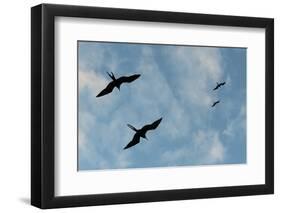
{"x":177,"y":84}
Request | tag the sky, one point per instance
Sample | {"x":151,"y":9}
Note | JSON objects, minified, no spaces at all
{"x":176,"y":83}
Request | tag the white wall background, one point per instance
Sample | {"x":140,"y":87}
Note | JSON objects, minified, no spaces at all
{"x":15,"y":105}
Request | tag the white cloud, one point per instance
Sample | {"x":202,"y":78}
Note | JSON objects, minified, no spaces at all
{"x":184,"y":107}
{"x":97,"y":55}
{"x":217,"y":150}
{"x":237,"y":124}
{"x":200,"y":69}
{"x":205,"y":148}
{"x":176,"y":157}
{"x":209,"y":60}
{"x":91,"y":80}
{"x":209,"y":146}
{"x":156,"y":92}
{"x":98,"y":144}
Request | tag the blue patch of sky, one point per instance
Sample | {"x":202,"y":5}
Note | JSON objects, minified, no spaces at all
{"x":176,"y":83}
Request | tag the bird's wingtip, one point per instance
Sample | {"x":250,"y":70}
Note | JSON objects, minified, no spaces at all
{"x":159,"y":120}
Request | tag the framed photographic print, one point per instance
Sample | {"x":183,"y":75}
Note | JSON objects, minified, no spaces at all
{"x":139,"y":106}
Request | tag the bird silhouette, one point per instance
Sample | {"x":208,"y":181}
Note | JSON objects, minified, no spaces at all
{"x":219,"y":85}
{"x":215,"y":103}
{"x":140,"y":133}
{"x":117,"y":83}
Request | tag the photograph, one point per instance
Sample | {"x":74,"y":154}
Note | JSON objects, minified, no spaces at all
{"x":143,"y":105}
{"x":136,"y":105}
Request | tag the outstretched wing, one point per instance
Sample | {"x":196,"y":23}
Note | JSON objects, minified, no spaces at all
{"x":152,"y":126}
{"x":214,"y":104}
{"x":136,"y":140}
{"x":128,"y":79}
{"x":107,"y":90}
{"x":216,"y":87}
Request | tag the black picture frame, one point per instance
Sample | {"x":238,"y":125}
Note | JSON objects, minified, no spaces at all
{"x":43,"y":105}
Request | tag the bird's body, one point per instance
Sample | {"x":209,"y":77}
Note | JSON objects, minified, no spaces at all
{"x":215,"y":103}
{"x":219,"y":85}
{"x":117,"y":83}
{"x":141,"y":133}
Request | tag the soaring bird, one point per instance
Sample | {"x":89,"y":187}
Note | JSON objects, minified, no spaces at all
{"x":215,"y":103}
{"x":140,"y":133}
{"x":219,"y":85}
{"x":117,"y":83}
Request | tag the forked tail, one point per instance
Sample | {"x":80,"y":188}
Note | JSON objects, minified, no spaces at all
{"x":131,"y":127}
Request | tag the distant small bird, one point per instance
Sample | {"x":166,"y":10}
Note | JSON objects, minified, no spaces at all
{"x":117,"y":83}
{"x":215,"y":103}
{"x":140,"y":133}
{"x":219,"y":85}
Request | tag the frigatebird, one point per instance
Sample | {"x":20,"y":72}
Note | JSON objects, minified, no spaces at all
{"x":140,"y":133}
{"x":215,"y":103}
{"x":117,"y":83}
{"x":219,"y":85}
